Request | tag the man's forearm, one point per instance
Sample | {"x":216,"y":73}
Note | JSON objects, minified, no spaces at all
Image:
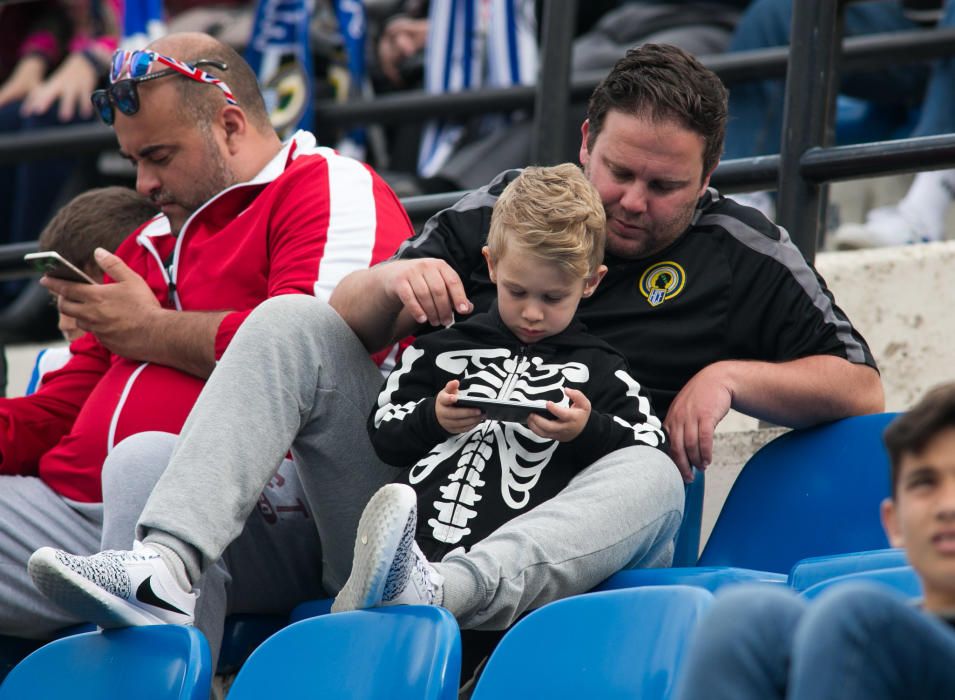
{"x":361,"y":301}
{"x":185,"y":340}
{"x":804,"y":392}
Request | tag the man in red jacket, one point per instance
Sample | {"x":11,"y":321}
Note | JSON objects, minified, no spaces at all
{"x":244,"y":217}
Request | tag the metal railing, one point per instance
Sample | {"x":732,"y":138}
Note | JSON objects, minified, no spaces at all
{"x":812,"y":65}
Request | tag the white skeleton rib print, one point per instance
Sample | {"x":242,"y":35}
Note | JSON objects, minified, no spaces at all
{"x":499,"y":374}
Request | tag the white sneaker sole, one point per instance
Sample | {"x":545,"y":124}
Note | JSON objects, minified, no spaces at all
{"x":82,"y":597}
{"x":380,"y":531}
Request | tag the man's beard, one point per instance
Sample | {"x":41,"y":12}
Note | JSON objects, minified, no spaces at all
{"x":219,"y":177}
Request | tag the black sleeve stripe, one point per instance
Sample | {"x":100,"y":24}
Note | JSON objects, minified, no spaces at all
{"x":787,"y":254}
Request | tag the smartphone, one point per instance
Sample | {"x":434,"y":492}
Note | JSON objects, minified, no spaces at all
{"x":507,"y":411}
{"x":55,"y":265}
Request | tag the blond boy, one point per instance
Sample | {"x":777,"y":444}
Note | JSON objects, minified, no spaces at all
{"x":468,"y":473}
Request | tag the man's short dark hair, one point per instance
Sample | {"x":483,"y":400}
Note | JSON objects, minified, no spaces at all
{"x":664,"y":83}
{"x":914,"y":429}
{"x":102,"y":217}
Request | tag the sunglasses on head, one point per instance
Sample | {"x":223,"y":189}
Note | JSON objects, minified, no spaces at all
{"x":123,"y":92}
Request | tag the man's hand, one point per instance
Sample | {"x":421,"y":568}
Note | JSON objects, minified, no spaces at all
{"x":569,"y":421}
{"x":693,"y":416}
{"x":452,"y":418}
{"x":121,"y":315}
{"x":428,"y":288}
{"x":71,"y":84}
{"x":27,"y":75}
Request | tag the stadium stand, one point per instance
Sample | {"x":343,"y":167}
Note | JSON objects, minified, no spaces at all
{"x":804,"y":166}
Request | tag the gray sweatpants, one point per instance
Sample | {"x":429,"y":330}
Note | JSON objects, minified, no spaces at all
{"x":277,"y":552}
{"x":33,"y":515}
{"x":295,"y":375}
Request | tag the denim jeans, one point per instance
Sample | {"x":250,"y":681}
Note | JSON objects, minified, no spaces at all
{"x":756,"y":108}
{"x":857,"y":641}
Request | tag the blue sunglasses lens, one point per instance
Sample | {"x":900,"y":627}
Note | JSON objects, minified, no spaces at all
{"x":125,"y":97}
{"x":103,"y":107}
{"x":139,"y":64}
{"x":117,"y":67}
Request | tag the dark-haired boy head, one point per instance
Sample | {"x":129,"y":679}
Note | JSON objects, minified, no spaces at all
{"x":98,"y":218}
{"x":920,"y":514}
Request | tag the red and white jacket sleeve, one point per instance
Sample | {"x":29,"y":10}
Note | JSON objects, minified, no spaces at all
{"x":31,"y":425}
{"x":332,"y":215}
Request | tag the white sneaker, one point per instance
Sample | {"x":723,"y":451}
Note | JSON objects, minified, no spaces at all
{"x":883,"y":227}
{"x":388,"y":567}
{"x":113,"y":588}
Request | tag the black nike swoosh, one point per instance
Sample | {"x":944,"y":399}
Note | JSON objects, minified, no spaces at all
{"x":145,"y":594}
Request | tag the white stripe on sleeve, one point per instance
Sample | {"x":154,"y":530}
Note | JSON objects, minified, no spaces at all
{"x":352,"y":222}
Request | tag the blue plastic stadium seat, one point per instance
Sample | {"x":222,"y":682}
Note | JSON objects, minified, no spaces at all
{"x":242,"y":634}
{"x":163,"y":662}
{"x":613,"y":644}
{"x":900,"y":578}
{"x":712,"y":578}
{"x":403,"y":652}
{"x":808,"y":572}
{"x":807,"y":493}
{"x":687,"y":546}
{"x":312,"y":608}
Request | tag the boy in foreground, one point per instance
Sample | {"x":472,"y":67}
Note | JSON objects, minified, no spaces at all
{"x":857,"y":641}
{"x":465,"y":471}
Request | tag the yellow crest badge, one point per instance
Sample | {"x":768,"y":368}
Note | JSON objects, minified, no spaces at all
{"x":662,"y":281}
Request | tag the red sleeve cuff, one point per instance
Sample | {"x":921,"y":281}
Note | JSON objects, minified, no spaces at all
{"x":227,"y":328}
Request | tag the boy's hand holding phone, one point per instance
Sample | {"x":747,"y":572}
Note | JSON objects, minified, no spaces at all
{"x":569,"y":421}
{"x":455,"y":419}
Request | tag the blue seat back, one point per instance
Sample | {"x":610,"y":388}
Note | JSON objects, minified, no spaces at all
{"x":900,"y":578}
{"x":687,"y":547}
{"x":811,"y":571}
{"x":411,"y":652}
{"x":163,"y":662}
{"x":807,"y":493}
{"x":615,"y":644}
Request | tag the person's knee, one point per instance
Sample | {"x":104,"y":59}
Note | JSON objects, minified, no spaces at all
{"x":747,"y":619}
{"x":667,"y":484}
{"x":136,"y":463}
{"x":289,"y":313}
{"x":851,"y":612}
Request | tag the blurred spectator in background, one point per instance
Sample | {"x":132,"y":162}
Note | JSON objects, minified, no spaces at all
{"x":52,"y":55}
{"x":756,"y":108}
{"x":920,"y":215}
{"x":494,"y":44}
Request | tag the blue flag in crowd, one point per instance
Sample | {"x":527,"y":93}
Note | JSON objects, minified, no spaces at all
{"x":472,"y":44}
{"x":142,"y":23}
{"x":278,"y":53}
{"x":353,"y":29}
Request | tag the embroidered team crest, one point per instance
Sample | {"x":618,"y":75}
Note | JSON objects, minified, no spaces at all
{"x":662,"y":281}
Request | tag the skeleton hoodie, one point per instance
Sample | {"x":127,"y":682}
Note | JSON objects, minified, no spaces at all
{"x":470,"y":483}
